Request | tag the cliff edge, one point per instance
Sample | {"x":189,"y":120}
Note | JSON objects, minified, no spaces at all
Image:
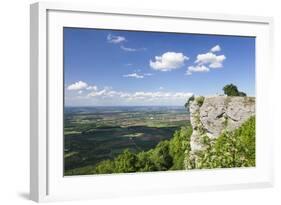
{"x":210,"y":116}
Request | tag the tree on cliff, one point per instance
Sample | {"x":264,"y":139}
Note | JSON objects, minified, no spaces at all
{"x":186,"y":105}
{"x":232,"y":90}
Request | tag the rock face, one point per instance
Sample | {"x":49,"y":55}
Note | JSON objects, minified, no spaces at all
{"x":210,"y":116}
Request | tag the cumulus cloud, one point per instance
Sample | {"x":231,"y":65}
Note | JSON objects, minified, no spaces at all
{"x":133,"y":75}
{"x":216,"y":48}
{"x":92,"y":87}
{"x":197,"y":68}
{"x":204,"y":62}
{"x":80,"y":86}
{"x":131,"y":49}
{"x":213,"y":60}
{"x":168,"y":61}
{"x":77,"y":86}
{"x":115,"y":39}
{"x":97,"y":93}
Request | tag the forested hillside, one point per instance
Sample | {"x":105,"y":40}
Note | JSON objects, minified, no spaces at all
{"x":230,"y":149}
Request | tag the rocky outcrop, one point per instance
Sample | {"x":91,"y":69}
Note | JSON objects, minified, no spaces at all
{"x":210,"y":116}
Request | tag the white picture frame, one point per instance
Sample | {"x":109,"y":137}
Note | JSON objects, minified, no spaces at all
{"x":47,"y":182}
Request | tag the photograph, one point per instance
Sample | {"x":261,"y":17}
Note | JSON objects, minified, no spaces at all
{"x":148,"y":101}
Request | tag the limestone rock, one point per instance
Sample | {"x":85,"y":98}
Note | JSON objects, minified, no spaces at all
{"x":215,"y":115}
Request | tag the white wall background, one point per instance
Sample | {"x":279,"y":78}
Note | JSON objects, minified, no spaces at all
{"x":14,"y":102}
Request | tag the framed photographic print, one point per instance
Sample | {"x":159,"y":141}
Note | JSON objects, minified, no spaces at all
{"x":127,"y":102}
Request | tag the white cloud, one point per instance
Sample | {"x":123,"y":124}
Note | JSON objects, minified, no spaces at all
{"x":216,"y":48}
{"x":140,"y":97}
{"x":108,"y":96}
{"x":137,"y":74}
{"x":92,"y":87}
{"x":216,"y":65}
{"x":168,"y":61}
{"x":97,"y":93}
{"x":107,"y":92}
{"x":206,"y":61}
{"x":131,"y":49}
{"x":77,"y":85}
{"x":197,"y":68}
{"x":133,"y":75}
{"x":213,"y":60}
{"x":115,"y":39}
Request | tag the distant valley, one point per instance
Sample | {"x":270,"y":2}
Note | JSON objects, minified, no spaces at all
{"x":94,"y":134}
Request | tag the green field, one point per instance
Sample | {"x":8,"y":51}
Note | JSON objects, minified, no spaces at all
{"x":95,"y":134}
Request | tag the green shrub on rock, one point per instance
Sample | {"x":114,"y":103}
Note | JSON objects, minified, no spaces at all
{"x":230,"y":149}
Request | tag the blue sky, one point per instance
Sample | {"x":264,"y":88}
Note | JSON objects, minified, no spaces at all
{"x":110,"y":67}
